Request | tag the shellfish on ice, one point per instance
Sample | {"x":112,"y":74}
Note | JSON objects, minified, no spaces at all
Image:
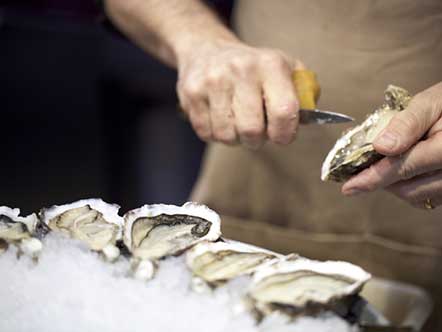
{"x":22,"y":231}
{"x":296,"y":284}
{"x":155,"y":231}
{"x":213,"y":263}
{"x":93,"y":221}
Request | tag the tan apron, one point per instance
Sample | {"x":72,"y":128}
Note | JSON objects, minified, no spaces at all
{"x":274,"y":197}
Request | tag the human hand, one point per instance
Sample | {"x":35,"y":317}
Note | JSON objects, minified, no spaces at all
{"x":412,"y":143}
{"x":234,"y":93}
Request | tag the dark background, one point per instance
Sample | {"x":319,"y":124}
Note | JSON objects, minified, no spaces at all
{"x":84,"y":113}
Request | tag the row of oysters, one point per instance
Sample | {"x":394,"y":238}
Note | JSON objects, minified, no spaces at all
{"x":288,"y":284}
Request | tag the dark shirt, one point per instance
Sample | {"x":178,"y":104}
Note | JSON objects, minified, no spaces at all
{"x":75,"y":8}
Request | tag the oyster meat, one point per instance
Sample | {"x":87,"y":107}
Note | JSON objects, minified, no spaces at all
{"x":354,"y":151}
{"x":20,"y":231}
{"x":159,"y":230}
{"x":214,"y":263}
{"x":295,"y":284}
{"x":156,"y":231}
{"x":93,"y":221}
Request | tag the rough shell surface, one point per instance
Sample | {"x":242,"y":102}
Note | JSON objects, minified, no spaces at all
{"x":15,"y":227}
{"x":354,"y":151}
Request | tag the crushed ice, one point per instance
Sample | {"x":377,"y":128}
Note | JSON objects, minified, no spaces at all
{"x":73,"y":289}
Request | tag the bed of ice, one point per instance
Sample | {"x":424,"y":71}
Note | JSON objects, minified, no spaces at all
{"x":73,"y":289}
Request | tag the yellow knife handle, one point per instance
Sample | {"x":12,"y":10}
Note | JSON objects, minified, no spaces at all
{"x":307,"y":88}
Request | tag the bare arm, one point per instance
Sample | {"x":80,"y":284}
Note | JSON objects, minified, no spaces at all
{"x":230,"y":91}
{"x":167,"y":29}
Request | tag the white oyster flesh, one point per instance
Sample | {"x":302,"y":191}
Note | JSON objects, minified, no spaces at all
{"x":301,"y":282}
{"x":216,"y":262}
{"x":159,"y":230}
{"x":93,"y":221}
{"x":354,"y":151}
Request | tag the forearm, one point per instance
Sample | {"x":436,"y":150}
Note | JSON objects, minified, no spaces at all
{"x":167,"y":29}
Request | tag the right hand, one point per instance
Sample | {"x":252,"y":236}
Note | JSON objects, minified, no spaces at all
{"x":233,"y":93}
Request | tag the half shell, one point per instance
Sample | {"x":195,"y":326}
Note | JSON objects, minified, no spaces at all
{"x":19,"y":230}
{"x":159,"y":230}
{"x":354,"y":151}
{"x":299,"y":284}
{"x":93,"y":221}
{"x":217,"y":262}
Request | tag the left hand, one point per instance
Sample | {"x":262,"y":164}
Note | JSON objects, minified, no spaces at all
{"x":412,"y":144}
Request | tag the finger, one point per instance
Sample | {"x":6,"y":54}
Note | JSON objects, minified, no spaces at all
{"x":281,"y":103}
{"x":221,"y":115}
{"x":249,"y":115}
{"x":416,"y":191}
{"x":424,"y":157}
{"x":200,"y":119}
{"x":408,"y":126}
{"x":194,"y":102}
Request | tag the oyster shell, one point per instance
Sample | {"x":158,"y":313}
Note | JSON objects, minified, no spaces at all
{"x":354,"y":151}
{"x":159,"y":230}
{"x":156,"y":231}
{"x":19,"y":231}
{"x":294,"y":284}
{"x":93,"y":221}
{"x":214,"y":263}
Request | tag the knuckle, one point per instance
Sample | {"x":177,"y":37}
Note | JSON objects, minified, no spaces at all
{"x":243,"y":64}
{"x":251,"y":132}
{"x":282,"y":137}
{"x":201,"y":127}
{"x":273,"y":59}
{"x":224,"y":135}
{"x":286,"y":113}
{"x":204,"y":135}
{"x":406,"y":171}
{"x":407,"y":123}
{"x":192,"y":89}
{"x":216,"y":76}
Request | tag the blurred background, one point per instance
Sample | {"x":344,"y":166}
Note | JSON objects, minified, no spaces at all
{"x":85,"y":113}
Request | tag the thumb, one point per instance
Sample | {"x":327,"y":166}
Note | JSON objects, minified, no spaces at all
{"x":407,"y":127}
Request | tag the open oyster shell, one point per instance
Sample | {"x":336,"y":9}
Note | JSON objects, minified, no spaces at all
{"x":354,"y":151}
{"x":20,"y":231}
{"x":214,"y":263}
{"x":156,"y":231}
{"x":295,"y":285}
{"x":160,"y":230}
{"x":93,"y":221}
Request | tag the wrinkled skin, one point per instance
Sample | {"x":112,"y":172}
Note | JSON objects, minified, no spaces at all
{"x":233,"y":93}
{"x":412,"y":143}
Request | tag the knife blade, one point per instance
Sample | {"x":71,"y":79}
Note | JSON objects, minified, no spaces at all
{"x":322,"y":117}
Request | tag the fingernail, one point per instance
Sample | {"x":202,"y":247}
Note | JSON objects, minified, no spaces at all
{"x":387,"y":141}
{"x":353,"y":192}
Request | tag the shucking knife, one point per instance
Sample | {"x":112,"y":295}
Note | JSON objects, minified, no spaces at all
{"x":308,"y":90}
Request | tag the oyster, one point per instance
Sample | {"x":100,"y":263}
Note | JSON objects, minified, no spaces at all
{"x":214,"y":263}
{"x":156,"y":231}
{"x":93,"y":221}
{"x":20,"y":231}
{"x":294,"y":285}
{"x":354,"y":151}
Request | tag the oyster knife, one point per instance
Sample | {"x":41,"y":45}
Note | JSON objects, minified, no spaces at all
{"x":322,"y":117}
